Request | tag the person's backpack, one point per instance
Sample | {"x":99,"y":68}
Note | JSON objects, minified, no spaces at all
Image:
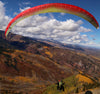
{"x":60,"y":83}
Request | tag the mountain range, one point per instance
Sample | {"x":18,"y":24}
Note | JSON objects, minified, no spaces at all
{"x":30,"y":65}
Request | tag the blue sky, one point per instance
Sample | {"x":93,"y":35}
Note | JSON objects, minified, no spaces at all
{"x":90,"y":35}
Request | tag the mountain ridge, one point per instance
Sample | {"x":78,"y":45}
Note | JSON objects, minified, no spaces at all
{"x":22,"y":42}
{"x":35,"y":63}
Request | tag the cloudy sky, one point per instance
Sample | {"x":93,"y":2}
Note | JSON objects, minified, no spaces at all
{"x":65,"y":28}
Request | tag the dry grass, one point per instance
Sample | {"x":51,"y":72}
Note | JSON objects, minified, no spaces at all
{"x":83,"y":78}
{"x":18,"y":79}
{"x":95,"y":57}
{"x":49,"y":54}
{"x":45,"y":47}
{"x":23,"y":79}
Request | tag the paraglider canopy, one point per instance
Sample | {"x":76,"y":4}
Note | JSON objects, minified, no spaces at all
{"x":52,"y":7}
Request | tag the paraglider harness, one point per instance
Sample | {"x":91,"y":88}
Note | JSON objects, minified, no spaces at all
{"x":60,"y":85}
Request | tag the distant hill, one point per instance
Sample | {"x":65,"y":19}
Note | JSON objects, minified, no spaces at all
{"x":19,"y":42}
{"x":30,"y":65}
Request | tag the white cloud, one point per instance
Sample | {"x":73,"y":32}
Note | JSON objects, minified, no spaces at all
{"x":22,"y":9}
{"x":82,"y":29}
{"x":2,"y":11}
{"x":42,"y":27}
{"x":51,"y":15}
{"x":79,"y":22}
{"x":37,"y":26}
{"x":91,"y":44}
{"x":26,"y":3}
{"x":15,"y":13}
{"x":3,"y":18}
{"x":69,"y":25}
{"x":62,"y":14}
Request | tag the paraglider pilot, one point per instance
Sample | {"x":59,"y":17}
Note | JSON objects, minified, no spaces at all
{"x":60,"y":85}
